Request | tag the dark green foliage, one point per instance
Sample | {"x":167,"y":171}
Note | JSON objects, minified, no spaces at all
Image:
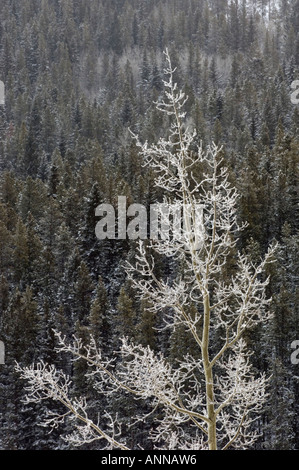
{"x":77,"y":75}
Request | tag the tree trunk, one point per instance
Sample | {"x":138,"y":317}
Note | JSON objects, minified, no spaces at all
{"x":208,"y":376}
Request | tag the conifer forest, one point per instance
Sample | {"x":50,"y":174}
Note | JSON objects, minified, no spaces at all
{"x":123,"y":342}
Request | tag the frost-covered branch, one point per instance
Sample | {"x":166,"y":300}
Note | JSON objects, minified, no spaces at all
{"x":142,"y":374}
{"x":45,"y":382}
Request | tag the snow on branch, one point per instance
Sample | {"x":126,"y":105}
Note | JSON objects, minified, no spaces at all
{"x":45,"y":382}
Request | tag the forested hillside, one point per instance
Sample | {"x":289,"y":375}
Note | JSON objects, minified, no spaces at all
{"x":79,"y":75}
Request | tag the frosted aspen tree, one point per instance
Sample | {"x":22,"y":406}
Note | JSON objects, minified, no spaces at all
{"x":205,"y":402}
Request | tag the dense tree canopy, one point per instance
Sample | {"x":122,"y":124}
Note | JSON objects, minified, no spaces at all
{"x":78,"y":75}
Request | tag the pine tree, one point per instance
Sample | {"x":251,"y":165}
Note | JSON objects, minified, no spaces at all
{"x":6,"y":243}
{"x":83,"y":289}
{"x":20,"y":328}
{"x":126,"y":314}
{"x":21,"y":253}
{"x":100,"y":321}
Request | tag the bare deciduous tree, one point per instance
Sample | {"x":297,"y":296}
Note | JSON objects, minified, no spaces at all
{"x":209,"y":400}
